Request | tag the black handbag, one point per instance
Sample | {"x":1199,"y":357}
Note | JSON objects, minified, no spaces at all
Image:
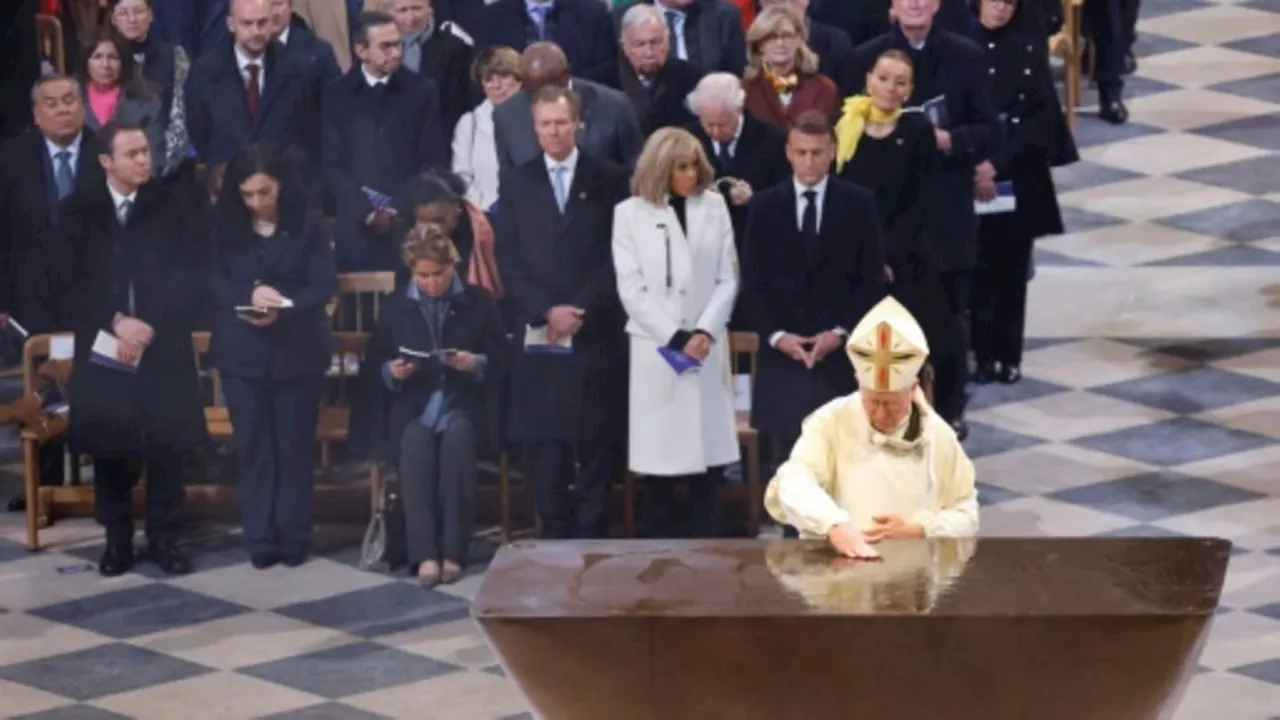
{"x":384,"y":548}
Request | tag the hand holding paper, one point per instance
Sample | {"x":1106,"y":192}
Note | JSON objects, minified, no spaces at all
{"x":133,"y":331}
{"x":265,"y":296}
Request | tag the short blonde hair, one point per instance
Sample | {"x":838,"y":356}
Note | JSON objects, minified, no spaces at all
{"x":770,"y":23}
{"x":666,"y":147}
{"x":428,"y":242}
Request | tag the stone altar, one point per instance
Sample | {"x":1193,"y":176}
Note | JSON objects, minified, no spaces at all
{"x":989,"y":629}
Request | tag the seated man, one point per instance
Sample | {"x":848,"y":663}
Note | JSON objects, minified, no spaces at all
{"x":878,"y":464}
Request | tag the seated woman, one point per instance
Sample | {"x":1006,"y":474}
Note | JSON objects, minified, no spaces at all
{"x":269,"y":246}
{"x":782,"y":80}
{"x":114,"y":91}
{"x":439,"y":344}
{"x":440,"y":200}
{"x":677,"y":269}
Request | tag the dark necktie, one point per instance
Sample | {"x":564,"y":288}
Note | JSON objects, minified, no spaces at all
{"x":63,"y":175}
{"x":723,"y":157}
{"x":809,"y":221}
{"x":673,"y":26}
{"x":253,"y":91}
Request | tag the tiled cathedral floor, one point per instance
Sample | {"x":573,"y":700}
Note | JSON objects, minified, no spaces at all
{"x":1151,"y":406}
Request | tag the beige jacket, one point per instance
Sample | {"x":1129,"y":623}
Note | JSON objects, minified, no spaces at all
{"x":328,"y":20}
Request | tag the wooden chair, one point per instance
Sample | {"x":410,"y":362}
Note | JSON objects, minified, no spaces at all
{"x":357,"y":293}
{"x":335,"y":412}
{"x":217,"y":419}
{"x":50,"y":41}
{"x":1067,"y":45}
{"x":748,"y":344}
{"x":36,"y":350}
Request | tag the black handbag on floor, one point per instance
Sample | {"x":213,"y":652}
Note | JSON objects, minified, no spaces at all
{"x":384,"y":547}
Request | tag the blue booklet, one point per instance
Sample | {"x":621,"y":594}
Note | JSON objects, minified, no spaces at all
{"x":377,"y":199}
{"x":678,"y":361}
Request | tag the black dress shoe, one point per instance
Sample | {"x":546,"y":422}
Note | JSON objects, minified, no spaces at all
{"x":984,"y":373}
{"x":293,"y":559}
{"x":1010,"y":374}
{"x":116,"y":560}
{"x":18,"y":503}
{"x":263,"y":561}
{"x":1113,"y":110}
{"x":169,"y":557}
{"x":962,"y":429}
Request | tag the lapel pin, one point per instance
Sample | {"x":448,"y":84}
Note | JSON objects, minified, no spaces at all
{"x":582,"y":195}
{"x":899,"y":141}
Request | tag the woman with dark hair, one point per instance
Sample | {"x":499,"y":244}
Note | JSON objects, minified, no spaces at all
{"x":164,"y":66}
{"x":440,"y":199}
{"x":115,"y":92}
{"x":273,"y":274}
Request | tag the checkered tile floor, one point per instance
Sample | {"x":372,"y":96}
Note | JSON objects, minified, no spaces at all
{"x":1151,"y":406}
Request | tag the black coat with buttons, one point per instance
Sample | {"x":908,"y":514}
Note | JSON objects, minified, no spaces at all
{"x":1029,"y":115}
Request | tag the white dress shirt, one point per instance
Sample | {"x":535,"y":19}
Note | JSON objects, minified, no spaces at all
{"x":73,"y":147}
{"x":283,"y":37}
{"x":373,"y":81}
{"x":117,"y":201}
{"x":243,"y":61}
{"x":821,"y":190}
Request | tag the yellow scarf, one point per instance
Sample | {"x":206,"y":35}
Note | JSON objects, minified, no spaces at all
{"x":857,"y":112}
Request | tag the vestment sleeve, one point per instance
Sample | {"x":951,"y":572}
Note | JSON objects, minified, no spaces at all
{"x":801,"y":493}
{"x":957,"y":494}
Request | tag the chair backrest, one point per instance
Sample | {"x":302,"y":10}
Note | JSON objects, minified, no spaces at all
{"x":200,"y":343}
{"x":359,"y":300}
{"x":49,"y":38}
{"x":349,"y":350}
{"x":34,"y":352}
{"x":744,"y":345}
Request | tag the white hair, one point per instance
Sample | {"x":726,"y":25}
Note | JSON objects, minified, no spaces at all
{"x":723,"y":88}
{"x":642,"y":13}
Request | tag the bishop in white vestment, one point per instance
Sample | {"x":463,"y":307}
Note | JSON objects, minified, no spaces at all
{"x":880,"y":463}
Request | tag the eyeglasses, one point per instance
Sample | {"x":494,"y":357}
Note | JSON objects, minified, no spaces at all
{"x":131,"y":14}
{"x":1006,"y":3}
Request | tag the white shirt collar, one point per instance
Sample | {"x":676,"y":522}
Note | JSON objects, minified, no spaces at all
{"x":820,"y":188}
{"x":570,"y":164}
{"x":73,"y":148}
{"x":371,"y":80}
{"x":283,"y":37}
{"x":117,"y":198}
{"x":242,"y":61}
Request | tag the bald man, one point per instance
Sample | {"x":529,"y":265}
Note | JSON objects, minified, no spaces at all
{"x":250,"y":89}
{"x":613,"y":133}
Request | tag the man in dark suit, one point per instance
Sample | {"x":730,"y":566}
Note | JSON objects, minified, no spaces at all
{"x":950,"y":73}
{"x":435,"y":53}
{"x":707,"y":33}
{"x":555,"y":255}
{"x":861,"y":20}
{"x":19,"y":65}
{"x":315,"y":54}
{"x":657,"y":85}
{"x":609,"y":129}
{"x":251,"y":89}
{"x":814,"y":264}
{"x":581,"y":27}
{"x":137,"y":403}
{"x":38,"y":170}
{"x":382,"y":126}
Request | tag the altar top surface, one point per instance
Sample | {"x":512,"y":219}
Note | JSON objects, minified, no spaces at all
{"x":998,"y":577}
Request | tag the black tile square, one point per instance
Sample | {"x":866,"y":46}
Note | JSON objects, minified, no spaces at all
{"x":1239,"y":255}
{"x":380,"y":610}
{"x":1170,"y":7}
{"x":1083,"y":175}
{"x":349,"y":670}
{"x":496,"y":670}
{"x":1187,"y":392}
{"x":1142,"y":530}
{"x":987,"y":440}
{"x":1268,"y":45}
{"x":140,"y":610}
{"x":1173,"y":442}
{"x":1268,"y":671}
{"x":1149,"y":44}
{"x":1156,"y":495}
{"x":1258,"y":88}
{"x":101,"y":671}
{"x":1076,"y":220}
{"x":1272,"y":611}
{"x":1253,"y":219}
{"x":1255,"y":176}
{"x":1048,"y":258}
{"x":1032,"y":344}
{"x":1260,"y":131}
{"x":73,"y":712}
{"x":990,"y":395}
{"x":10,"y":550}
{"x":1091,"y":131}
{"x":326,"y":711}
{"x":1204,"y":350}
{"x":1263,"y":5}
{"x":520,"y":716}
{"x":994,"y":494}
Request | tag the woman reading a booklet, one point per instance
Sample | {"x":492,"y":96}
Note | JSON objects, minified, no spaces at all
{"x":439,"y":345}
{"x":273,"y":272}
{"x":677,"y":270}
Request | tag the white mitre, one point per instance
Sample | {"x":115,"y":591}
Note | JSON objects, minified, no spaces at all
{"x":887,"y":348}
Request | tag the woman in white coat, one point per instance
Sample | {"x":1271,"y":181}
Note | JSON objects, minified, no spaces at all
{"x":677,"y":276}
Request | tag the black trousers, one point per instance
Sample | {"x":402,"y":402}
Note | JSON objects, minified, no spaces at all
{"x":113,"y":482}
{"x":571,"y":482}
{"x":275,"y":441}
{"x":1105,"y":19}
{"x":1000,"y":290}
{"x":662,"y":517}
{"x":951,"y":372}
{"x":438,"y":489}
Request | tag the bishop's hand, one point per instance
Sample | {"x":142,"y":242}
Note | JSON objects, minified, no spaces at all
{"x":891,"y":527}
{"x":846,"y":540}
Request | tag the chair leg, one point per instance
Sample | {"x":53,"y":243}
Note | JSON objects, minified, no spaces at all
{"x":31,"y":486}
{"x":504,"y":495}
{"x":754,"y":497}
{"x":629,"y":504}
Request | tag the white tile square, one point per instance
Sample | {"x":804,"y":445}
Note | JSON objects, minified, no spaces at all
{"x":25,"y":637}
{"x":1229,"y":521}
{"x":1215,"y":25}
{"x":1068,"y":415}
{"x":1046,"y":469}
{"x":1259,"y":416}
{"x":16,"y":699}
{"x":215,"y":696}
{"x":1193,"y":108}
{"x":1205,"y":65}
{"x":1095,"y":362}
{"x":1246,"y":572}
{"x":1043,"y":517}
{"x":1131,"y":244}
{"x":1241,"y":638}
{"x":1169,"y":153}
{"x":35,"y":582}
{"x":1227,"y":696}
{"x":244,"y":640}
{"x":1148,"y":198}
{"x":1252,"y":470}
{"x":471,"y":696}
{"x":458,"y":642}
{"x":1264,"y":363}
{"x":279,"y":586}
